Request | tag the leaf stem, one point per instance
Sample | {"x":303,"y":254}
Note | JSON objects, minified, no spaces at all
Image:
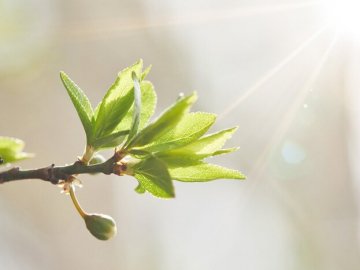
{"x":89,"y":152}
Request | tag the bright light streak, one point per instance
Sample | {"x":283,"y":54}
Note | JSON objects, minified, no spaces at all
{"x":272,"y":72}
{"x":258,"y":170}
{"x":345,"y":14}
{"x":105,"y":28}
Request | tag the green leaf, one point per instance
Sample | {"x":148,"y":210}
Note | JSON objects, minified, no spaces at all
{"x":11,"y":150}
{"x":154,"y":177}
{"x":203,"y":172}
{"x":139,"y":189}
{"x":225,"y":151}
{"x":148,"y":104}
{"x":109,"y":141}
{"x":145,"y":73}
{"x":209,"y":145}
{"x":108,"y":119}
{"x":137,"y":108}
{"x":81,"y":103}
{"x":117,"y":101}
{"x":148,"y":98}
{"x":189,"y":128}
{"x":165,"y":123}
{"x":138,"y":153}
{"x":96,"y":111}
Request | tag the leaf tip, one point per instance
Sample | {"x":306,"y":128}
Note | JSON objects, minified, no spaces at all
{"x":240,"y":176}
{"x":145,"y":72}
{"x":235,"y":128}
{"x":194,"y":95}
{"x":140,"y":189}
{"x":190,"y":99}
{"x":62,"y":75}
{"x":134,"y":76}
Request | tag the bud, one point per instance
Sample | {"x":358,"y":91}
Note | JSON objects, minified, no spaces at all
{"x":101,"y":226}
{"x":97,"y":159}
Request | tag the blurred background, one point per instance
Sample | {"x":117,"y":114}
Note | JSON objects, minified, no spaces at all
{"x":284,"y":71}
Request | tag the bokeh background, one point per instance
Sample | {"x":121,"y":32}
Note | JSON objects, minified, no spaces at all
{"x":279,"y":69}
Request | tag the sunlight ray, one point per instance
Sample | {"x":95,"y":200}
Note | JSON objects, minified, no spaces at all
{"x":105,"y":27}
{"x":243,"y":202}
{"x":294,"y":209}
{"x":260,"y":164}
{"x":271,"y":73}
{"x":263,"y":9}
{"x":298,"y":102}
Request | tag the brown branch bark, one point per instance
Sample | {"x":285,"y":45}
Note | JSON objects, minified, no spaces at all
{"x":54,"y":174}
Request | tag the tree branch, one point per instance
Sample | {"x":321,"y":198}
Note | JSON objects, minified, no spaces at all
{"x":54,"y":174}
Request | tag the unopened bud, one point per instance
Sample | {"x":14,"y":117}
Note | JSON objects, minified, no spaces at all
{"x":97,"y":159}
{"x":101,"y":226}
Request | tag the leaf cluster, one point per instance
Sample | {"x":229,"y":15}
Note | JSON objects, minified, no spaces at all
{"x":109,"y":123}
{"x":174,"y":146}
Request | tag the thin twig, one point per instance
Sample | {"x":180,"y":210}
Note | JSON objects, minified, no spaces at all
{"x":54,"y":174}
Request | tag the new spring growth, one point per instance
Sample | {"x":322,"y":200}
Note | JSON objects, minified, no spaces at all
{"x":155,"y":152}
{"x":103,"y":227}
{"x":96,"y":159}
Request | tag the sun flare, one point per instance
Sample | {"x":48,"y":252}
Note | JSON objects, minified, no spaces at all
{"x":345,"y":14}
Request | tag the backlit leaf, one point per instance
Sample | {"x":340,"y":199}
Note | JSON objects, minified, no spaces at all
{"x":148,"y":104}
{"x":81,"y":103}
{"x":203,"y":172}
{"x":209,"y":145}
{"x":167,"y":121}
{"x":145,"y":73}
{"x":137,"y":108}
{"x":154,"y":177}
{"x":112,"y":140}
{"x":11,"y":150}
{"x":188,"y":129}
{"x":117,"y":101}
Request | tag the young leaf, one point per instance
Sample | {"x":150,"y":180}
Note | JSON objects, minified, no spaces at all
{"x":209,"y":145}
{"x":145,"y":73}
{"x":137,"y":108}
{"x":96,"y":111}
{"x":112,"y":140}
{"x":139,"y":189}
{"x":140,"y":154}
{"x":148,"y":104}
{"x":117,"y":101}
{"x":225,"y":151}
{"x":167,"y":121}
{"x":81,"y":103}
{"x":154,"y":177}
{"x":189,"y":128}
{"x":11,"y":150}
{"x":107,"y":121}
{"x":203,"y":172}
{"x":148,"y":98}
